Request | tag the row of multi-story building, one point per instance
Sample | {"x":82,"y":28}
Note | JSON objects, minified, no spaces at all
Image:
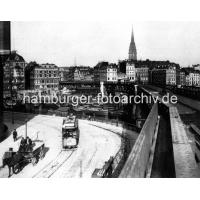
{"x":176,"y":76}
{"x":141,"y":72}
{"x":19,"y":75}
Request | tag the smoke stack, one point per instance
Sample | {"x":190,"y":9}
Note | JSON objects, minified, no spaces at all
{"x":5,"y":38}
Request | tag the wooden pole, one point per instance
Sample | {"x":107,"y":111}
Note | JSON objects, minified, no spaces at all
{"x":26,"y":129}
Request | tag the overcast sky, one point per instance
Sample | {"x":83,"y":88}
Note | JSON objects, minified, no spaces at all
{"x":88,"y":43}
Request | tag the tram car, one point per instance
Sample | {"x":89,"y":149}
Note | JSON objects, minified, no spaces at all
{"x":70,"y":132}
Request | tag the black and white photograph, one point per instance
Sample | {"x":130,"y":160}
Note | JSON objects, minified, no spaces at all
{"x":103,"y":92}
{"x":99,"y":100}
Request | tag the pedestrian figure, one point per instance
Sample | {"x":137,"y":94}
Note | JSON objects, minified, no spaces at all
{"x":29,"y":144}
{"x":30,"y":141}
{"x":15,"y":135}
{"x":22,"y":145}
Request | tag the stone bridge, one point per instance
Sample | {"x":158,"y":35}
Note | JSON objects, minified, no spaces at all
{"x":162,"y":148}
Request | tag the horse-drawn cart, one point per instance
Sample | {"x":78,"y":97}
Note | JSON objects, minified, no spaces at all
{"x":17,"y":160}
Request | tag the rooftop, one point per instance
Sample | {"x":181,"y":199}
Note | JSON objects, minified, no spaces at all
{"x":14,"y":57}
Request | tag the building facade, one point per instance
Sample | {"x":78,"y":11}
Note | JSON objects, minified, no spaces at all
{"x":193,"y":79}
{"x":164,"y":77}
{"x":131,"y":71}
{"x":142,"y":75}
{"x":188,"y":80}
{"x":158,"y":77}
{"x":44,"y":76}
{"x":105,"y":72}
{"x":112,"y":73}
{"x":182,"y":78}
{"x":100,"y":71}
{"x":14,"y":74}
{"x":192,"y":76}
{"x":171,"y":76}
{"x":64,"y":73}
{"x":83,"y":74}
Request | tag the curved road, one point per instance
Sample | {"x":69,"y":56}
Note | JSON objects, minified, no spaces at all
{"x":96,"y":145}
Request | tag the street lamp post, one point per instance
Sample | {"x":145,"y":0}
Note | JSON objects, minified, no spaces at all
{"x":26,"y":128}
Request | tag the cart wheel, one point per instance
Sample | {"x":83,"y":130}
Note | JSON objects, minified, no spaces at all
{"x":34,"y":161}
{"x":16,"y":169}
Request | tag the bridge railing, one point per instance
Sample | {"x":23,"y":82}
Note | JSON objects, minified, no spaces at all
{"x":183,"y":156}
{"x":136,"y":164}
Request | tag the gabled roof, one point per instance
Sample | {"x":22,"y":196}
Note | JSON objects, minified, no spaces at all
{"x":14,"y":57}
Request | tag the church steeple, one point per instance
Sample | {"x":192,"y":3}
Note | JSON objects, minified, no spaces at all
{"x":132,"y":54}
{"x":132,"y":37}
